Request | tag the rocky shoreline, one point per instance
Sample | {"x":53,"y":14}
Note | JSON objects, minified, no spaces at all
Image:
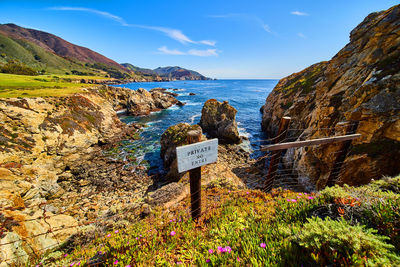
{"x":56,"y":171}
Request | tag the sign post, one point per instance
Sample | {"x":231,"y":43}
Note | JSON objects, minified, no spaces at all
{"x":190,"y":158}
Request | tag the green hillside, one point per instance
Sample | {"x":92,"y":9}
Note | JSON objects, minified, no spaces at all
{"x":39,"y":58}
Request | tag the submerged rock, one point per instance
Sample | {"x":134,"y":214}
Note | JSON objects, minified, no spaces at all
{"x":218,"y":121}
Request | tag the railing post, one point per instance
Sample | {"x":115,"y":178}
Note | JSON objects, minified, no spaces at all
{"x":337,"y":166}
{"x":195,"y":179}
{"x":276,"y":155}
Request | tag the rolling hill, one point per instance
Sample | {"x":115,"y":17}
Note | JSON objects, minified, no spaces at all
{"x":168,"y":73}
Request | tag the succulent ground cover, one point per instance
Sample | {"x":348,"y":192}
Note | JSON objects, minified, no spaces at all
{"x":339,"y":226}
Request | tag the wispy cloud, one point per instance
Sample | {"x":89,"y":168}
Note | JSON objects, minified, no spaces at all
{"x":166,"y":51}
{"x":298,"y":13}
{"x":203,"y":53}
{"x":175,"y":34}
{"x":248,"y":17}
{"x":191,"y":52}
{"x":301,"y":35}
{"x":94,"y":11}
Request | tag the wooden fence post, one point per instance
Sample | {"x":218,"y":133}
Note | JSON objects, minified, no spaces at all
{"x":276,"y":155}
{"x":338,"y":164}
{"x":195,"y":179}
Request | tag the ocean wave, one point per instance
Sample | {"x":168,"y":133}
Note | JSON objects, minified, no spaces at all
{"x":154,"y":122}
{"x":188,"y":103}
{"x":194,"y":117}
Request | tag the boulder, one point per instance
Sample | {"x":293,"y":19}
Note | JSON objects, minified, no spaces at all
{"x":218,"y":121}
{"x":173,"y":137}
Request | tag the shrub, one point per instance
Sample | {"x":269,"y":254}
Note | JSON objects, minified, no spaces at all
{"x":325,"y":242}
{"x":15,"y":67}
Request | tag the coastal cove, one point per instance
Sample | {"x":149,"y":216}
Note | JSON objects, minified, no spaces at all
{"x":244,"y":95}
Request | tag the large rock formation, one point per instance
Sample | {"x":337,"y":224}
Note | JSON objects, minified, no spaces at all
{"x":361,"y":83}
{"x":52,"y":163}
{"x":218,"y":121}
{"x":174,"y":136}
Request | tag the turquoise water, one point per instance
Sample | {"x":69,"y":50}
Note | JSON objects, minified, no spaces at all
{"x":247,"y":96}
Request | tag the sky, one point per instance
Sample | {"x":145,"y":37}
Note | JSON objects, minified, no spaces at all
{"x":239,"y":39}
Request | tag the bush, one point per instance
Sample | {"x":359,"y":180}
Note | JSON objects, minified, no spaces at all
{"x":15,"y":67}
{"x":326,"y":242}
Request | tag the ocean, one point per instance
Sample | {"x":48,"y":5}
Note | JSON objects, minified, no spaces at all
{"x":247,"y":96}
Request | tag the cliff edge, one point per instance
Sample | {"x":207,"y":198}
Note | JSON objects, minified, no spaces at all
{"x":360,"y":83}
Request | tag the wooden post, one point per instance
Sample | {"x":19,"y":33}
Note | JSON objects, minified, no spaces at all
{"x":338,"y":164}
{"x":195,"y":179}
{"x":276,"y":155}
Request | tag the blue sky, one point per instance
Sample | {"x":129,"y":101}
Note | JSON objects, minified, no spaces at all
{"x":221,"y":39}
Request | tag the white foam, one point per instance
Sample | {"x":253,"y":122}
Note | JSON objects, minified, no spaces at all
{"x":194,"y":117}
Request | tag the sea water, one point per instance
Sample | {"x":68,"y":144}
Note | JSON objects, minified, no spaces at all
{"x":247,"y":96}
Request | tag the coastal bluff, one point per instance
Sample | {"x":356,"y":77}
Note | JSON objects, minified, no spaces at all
{"x":53,"y":163}
{"x":360,"y":83}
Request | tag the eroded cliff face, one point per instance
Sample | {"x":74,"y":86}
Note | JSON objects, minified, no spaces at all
{"x":360,"y":83}
{"x":53,"y":172}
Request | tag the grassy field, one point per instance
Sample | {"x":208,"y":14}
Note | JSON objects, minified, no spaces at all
{"x":339,"y":226}
{"x":12,"y":85}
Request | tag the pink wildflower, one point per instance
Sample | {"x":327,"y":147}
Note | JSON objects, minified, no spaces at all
{"x":208,"y":260}
{"x":65,"y":255}
{"x":72,"y":264}
{"x":137,"y":238}
{"x":210,"y":251}
{"x":293,"y":200}
{"x":300,"y":194}
{"x":310,"y":197}
{"x":228,"y":249}
{"x":238,"y":259}
{"x":263,"y":245}
{"x":128,"y":265}
{"x":108,"y":235}
{"x":172,"y":233}
{"x":116,"y":231}
{"x":179,"y":262}
{"x":247,"y":193}
{"x":79,"y":263}
{"x":288,"y":200}
{"x":115,"y":262}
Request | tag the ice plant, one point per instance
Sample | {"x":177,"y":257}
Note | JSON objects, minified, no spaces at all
{"x":263,"y":245}
{"x":172,"y":233}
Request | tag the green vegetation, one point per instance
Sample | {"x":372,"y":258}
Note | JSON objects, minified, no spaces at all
{"x":15,"y":67}
{"x":12,"y":85}
{"x":339,"y":226}
{"x":37,"y":57}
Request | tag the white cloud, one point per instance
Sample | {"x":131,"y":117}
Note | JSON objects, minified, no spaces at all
{"x":191,"y":52}
{"x":203,"y":53}
{"x":94,"y":11}
{"x":175,"y":34}
{"x":166,"y":51}
{"x":301,"y":35}
{"x":249,"y":17}
{"x":298,"y":13}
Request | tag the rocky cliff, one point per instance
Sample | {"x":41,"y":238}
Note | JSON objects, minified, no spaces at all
{"x":360,"y":83}
{"x":54,"y":169}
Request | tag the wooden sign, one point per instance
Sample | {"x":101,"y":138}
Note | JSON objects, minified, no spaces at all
{"x":197,"y":154}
